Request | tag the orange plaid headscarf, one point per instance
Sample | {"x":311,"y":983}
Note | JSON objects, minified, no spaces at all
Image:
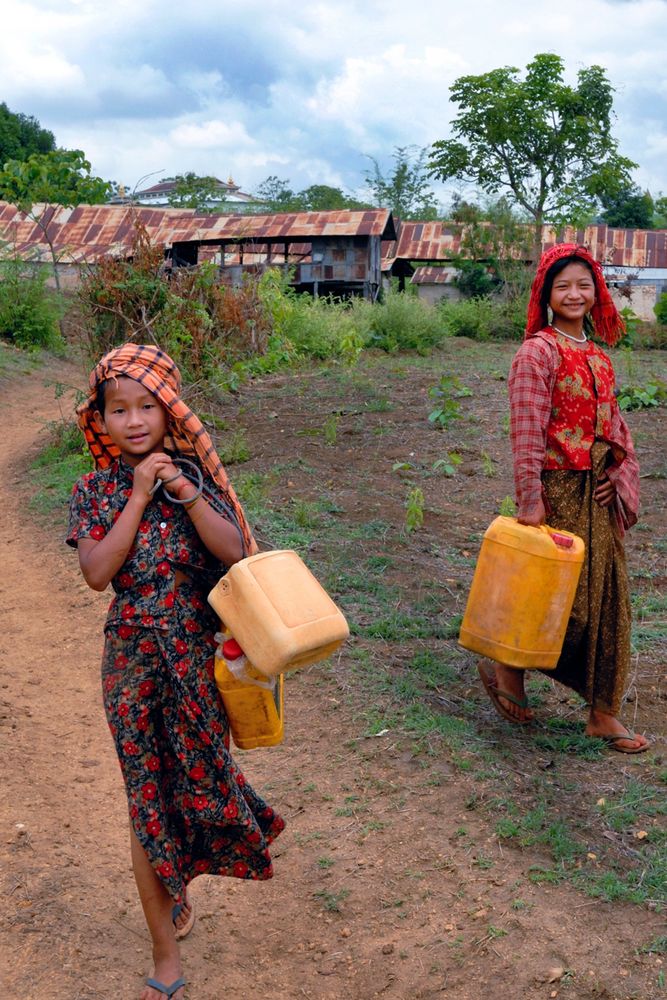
{"x":607,"y":320}
{"x":186,"y":434}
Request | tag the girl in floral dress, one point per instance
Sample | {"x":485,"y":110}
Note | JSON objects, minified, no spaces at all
{"x":163,"y":540}
{"x":575,"y":466}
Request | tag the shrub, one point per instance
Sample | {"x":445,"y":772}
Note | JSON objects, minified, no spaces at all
{"x":404,"y":322}
{"x":29,"y":312}
{"x":485,"y":318}
{"x":660,"y":309}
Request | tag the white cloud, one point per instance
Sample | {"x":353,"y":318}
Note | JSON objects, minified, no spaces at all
{"x":265,"y":87}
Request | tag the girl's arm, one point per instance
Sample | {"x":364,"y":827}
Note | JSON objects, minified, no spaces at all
{"x":530,"y":390}
{"x":101,"y":560}
{"x":219,"y":535}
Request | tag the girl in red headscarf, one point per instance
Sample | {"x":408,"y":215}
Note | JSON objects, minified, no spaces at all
{"x":575,"y":466}
{"x":162,"y":531}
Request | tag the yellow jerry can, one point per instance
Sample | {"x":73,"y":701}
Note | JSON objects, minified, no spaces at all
{"x":253,"y":703}
{"x":278,"y":612}
{"x":522,"y":594}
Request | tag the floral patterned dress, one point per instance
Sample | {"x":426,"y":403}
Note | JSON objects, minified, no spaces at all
{"x":190,"y":806}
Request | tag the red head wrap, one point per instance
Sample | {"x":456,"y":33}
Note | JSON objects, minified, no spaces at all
{"x":157,"y":372}
{"x":608,"y":323}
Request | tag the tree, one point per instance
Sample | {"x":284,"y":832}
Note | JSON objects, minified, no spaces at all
{"x":547,"y":146}
{"x":60,"y":177}
{"x":192,"y":191}
{"x":660,"y":212}
{"x":629,"y":208}
{"x":277,"y":196}
{"x":322,"y":198}
{"x":405,"y":190}
{"x":21,"y":136}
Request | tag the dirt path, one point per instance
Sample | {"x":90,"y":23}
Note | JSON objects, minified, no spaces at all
{"x":377,"y":893}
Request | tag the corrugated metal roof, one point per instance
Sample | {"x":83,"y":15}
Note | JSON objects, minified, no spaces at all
{"x":90,"y":231}
{"x":422,"y":241}
{"x":431,"y":241}
{"x":429,"y":275}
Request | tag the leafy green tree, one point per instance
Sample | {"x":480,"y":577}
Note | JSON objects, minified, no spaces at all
{"x":406,"y":188}
{"x":277,"y":196}
{"x":322,"y":198}
{"x":60,"y":177}
{"x":629,"y":208}
{"x":546,"y":145}
{"x":192,"y":191}
{"x":660,"y":212}
{"x":21,"y":136}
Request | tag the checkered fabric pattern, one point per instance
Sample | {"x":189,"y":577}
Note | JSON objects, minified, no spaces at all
{"x":157,"y":372}
{"x":531,"y":382}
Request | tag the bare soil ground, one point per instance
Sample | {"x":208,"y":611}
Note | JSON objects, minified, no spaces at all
{"x":392,"y":879}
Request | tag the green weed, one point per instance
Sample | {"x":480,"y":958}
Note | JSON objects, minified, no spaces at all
{"x":414,"y":509}
{"x":234,"y":449}
{"x":331,"y":900}
{"x":446,"y":394}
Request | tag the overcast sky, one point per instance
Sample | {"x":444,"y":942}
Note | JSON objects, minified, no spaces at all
{"x":306,"y":91}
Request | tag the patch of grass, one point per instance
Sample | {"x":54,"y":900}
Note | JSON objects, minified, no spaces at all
{"x":331,"y":900}
{"x":57,"y":467}
{"x":563,"y":737}
{"x":234,"y":448}
{"x":658,"y":946}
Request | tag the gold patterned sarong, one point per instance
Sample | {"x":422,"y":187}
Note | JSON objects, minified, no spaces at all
{"x":596,"y":651}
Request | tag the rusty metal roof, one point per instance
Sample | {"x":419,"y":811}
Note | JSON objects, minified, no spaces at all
{"x":422,"y":241}
{"x":88,"y":232}
{"x":429,"y":275}
{"x":440,"y":241}
{"x":616,"y":247}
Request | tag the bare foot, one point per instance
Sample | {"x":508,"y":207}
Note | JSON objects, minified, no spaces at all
{"x":511,"y":680}
{"x":603,"y":724}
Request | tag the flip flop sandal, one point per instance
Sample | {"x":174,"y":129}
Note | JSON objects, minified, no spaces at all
{"x":613,"y":740}
{"x":182,"y":932}
{"x":163,"y":988}
{"x":488,"y":678}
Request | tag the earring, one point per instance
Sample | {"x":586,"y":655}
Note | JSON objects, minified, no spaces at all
{"x":550,"y":315}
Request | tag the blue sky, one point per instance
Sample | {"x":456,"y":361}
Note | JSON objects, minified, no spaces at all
{"x":306,"y":92}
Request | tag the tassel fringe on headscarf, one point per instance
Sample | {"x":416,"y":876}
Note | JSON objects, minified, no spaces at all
{"x":186,"y":434}
{"x":608,"y":323}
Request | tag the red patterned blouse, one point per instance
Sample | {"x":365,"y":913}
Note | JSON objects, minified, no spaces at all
{"x":558,"y":407}
{"x":581,"y":403}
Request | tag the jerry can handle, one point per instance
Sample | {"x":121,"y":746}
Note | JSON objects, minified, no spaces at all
{"x":564,"y":541}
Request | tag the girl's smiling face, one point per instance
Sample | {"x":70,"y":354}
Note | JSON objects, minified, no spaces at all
{"x":572,"y":294}
{"x":133,"y":418}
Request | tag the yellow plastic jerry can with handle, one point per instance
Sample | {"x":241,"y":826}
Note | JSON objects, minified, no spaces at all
{"x":253,"y":703}
{"x":522,"y":594}
{"x":278,"y":612}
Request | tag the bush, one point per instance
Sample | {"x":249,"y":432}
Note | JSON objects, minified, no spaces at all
{"x":29,"y":312}
{"x":660,"y":309}
{"x":403,"y":322}
{"x":484,"y":319}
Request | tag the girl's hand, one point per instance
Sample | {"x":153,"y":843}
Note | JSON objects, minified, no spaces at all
{"x":535,"y":517}
{"x":153,"y":467}
{"x":605,"y":492}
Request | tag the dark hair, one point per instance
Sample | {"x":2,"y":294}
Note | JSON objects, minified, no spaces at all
{"x":100,"y":397}
{"x":550,"y":277}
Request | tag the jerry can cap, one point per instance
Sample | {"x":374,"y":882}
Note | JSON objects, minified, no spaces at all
{"x":564,"y":541}
{"x":231,"y":649}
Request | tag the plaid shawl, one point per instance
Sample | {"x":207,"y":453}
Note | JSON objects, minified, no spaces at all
{"x":186,"y":434}
{"x":608,"y":322}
